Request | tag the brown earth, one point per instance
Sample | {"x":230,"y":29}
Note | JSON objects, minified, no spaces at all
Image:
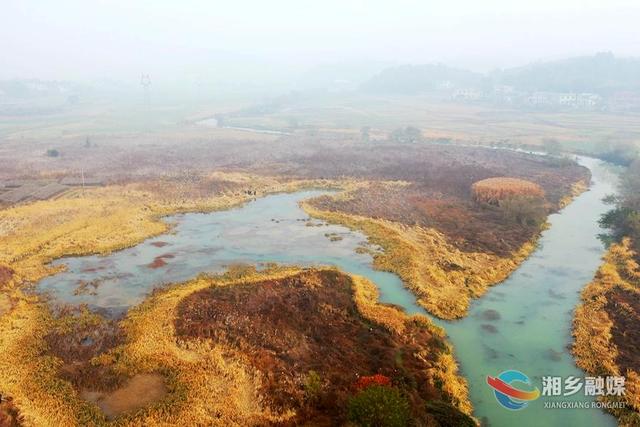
{"x":9,"y":414}
{"x":138,"y":392}
{"x":468,"y":227}
{"x":5,"y":275}
{"x":309,"y":322}
{"x":76,"y":340}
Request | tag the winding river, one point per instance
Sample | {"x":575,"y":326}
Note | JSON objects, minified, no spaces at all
{"x":525,"y":322}
{"x":522,"y":324}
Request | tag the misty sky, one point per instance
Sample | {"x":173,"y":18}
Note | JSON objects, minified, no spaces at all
{"x":86,"y":39}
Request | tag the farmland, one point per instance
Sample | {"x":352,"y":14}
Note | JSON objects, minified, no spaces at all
{"x":456,"y":122}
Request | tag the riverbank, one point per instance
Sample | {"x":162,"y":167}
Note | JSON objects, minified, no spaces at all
{"x":524,"y":323}
{"x":443,"y":278}
{"x":605,"y":328}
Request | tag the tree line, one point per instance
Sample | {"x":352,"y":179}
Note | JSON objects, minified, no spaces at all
{"x":624,"y":219}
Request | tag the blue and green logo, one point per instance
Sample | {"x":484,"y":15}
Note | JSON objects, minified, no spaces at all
{"x":510,"y":395}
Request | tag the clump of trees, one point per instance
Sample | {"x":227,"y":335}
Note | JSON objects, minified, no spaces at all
{"x":408,"y":134}
{"x":378,"y":402}
{"x":624,"y":219}
{"x":52,"y":152}
{"x":620,"y":153}
{"x":379,"y":405}
{"x":524,"y":210}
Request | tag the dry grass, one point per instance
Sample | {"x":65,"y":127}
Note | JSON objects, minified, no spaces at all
{"x":204,"y":385}
{"x":106,"y":219}
{"x":275,"y":326}
{"x":95,"y":221}
{"x":605,"y":323}
{"x":577,"y":188}
{"x":103,"y":220}
{"x":493,"y":190}
{"x":443,"y":277}
{"x":485,"y":124}
{"x":204,"y":382}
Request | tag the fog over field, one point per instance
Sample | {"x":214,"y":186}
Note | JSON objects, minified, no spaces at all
{"x":275,"y":40}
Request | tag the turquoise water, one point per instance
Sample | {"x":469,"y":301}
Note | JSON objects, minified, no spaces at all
{"x":531,"y":311}
{"x":535,"y":309}
{"x":269,"y":229}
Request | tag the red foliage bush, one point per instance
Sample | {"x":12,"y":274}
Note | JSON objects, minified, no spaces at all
{"x":377,"y":379}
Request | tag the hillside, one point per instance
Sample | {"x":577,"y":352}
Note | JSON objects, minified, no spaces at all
{"x":602,"y":73}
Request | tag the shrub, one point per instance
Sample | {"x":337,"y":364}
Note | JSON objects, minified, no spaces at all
{"x":622,"y":221}
{"x":367,"y":381}
{"x":524,"y":210}
{"x":622,"y":154}
{"x":52,"y":152}
{"x":379,"y":406}
{"x":312,"y":386}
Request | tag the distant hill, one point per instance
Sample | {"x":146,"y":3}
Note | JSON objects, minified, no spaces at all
{"x":411,"y":79}
{"x":602,"y":73}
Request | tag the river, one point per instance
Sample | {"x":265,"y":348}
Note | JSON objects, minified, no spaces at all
{"x":213,"y":123}
{"x":523,"y":323}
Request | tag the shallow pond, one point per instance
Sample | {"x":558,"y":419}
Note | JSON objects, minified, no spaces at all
{"x":522,"y":324}
{"x":270,"y":229}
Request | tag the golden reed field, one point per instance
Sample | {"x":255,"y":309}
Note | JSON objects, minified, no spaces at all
{"x":50,"y":379}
